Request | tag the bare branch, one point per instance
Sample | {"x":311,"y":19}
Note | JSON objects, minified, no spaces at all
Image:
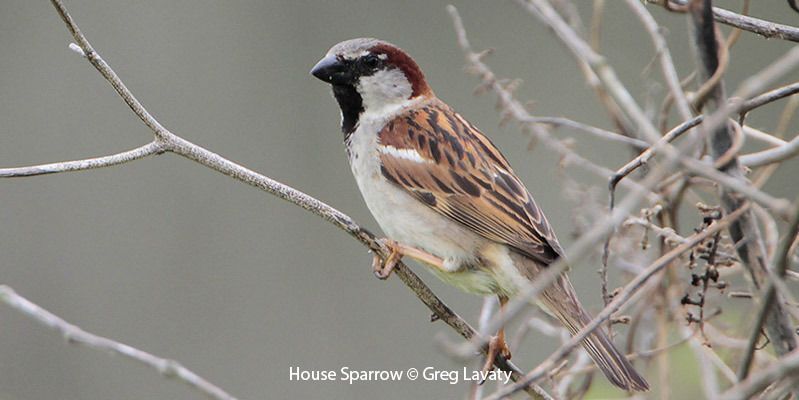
{"x":761,"y":27}
{"x":666,"y":62}
{"x":721,"y":140}
{"x":515,"y":109}
{"x":768,"y":97}
{"x":772,"y":155}
{"x":108,"y":73}
{"x":779,"y":266}
{"x":344,"y":222}
{"x":619,"y":302}
{"x":598,"y":132}
{"x":154,"y":147}
{"x":582,"y":51}
{"x":744,"y":390}
{"x":647,"y":154}
{"x":762,"y":136}
{"x":167,"y":368}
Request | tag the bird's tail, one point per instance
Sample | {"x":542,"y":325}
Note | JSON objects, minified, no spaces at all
{"x":613,"y":364}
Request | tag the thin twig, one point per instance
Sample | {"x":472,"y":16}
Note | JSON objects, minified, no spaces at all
{"x":779,"y":266}
{"x":768,"y":97}
{"x":514,"y":109}
{"x":721,"y":142}
{"x":772,"y":155}
{"x":761,"y":27}
{"x":167,"y":368}
{"x":580,"y":49}
{"x":764,"y":137}
{"x":647,"y":154}
{"x":786,"y":366}
{"x":619,"y":301}
{"x":664,"y":55}
{"x":598,"y":132}
{"x":154,"y":147}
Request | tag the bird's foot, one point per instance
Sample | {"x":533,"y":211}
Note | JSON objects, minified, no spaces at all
{"x":382,"y":268}
{"x":496,"y":346}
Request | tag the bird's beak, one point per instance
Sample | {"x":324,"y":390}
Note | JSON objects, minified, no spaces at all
{"x":331,"y":70}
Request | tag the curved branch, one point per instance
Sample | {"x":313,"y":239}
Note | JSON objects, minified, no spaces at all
{"x":772,"y":155}
{"x":73,"y":334}
{"x":154,"y":147}
{"x":768,"y":97}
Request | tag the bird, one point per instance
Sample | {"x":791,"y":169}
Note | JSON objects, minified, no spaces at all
{"x":446,"y":197}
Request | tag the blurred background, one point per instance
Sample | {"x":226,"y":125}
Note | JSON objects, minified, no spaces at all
{"x":178,"y":260}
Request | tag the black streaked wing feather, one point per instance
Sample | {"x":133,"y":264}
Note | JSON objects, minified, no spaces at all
{"x":464,"y":177}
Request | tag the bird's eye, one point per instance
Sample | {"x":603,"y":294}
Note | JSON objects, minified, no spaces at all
{"x":371,"y":61}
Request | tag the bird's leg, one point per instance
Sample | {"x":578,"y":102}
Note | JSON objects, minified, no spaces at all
{"x":383,"y":268}
{"x":496,"y":344}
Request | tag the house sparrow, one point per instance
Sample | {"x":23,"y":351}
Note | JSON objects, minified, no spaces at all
{"x":445,"y":195}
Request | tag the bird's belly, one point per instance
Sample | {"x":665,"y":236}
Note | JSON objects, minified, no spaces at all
{"x":407,"y":220}
{"x":483,"y":267}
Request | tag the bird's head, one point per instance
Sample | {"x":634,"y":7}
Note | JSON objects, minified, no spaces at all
{"x":370,"y":76}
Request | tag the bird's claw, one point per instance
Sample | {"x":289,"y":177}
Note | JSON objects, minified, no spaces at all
{"x":496,"y":346}
{"x":383,"y":268}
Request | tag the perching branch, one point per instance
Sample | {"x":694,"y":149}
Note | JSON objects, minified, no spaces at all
{"x":167,"y":368}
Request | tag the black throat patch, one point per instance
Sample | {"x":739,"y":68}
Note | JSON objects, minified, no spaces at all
{"x":351,"y":105}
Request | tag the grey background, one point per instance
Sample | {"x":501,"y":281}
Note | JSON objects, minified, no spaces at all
{"x":178,"y":260}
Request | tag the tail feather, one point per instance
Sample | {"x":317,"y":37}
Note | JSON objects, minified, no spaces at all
{"x":613,"y":363}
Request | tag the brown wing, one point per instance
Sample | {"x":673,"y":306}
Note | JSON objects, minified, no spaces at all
{"x":445,"y":162}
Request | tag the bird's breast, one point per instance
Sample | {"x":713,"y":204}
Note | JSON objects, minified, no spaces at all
{"x":401,"y":216}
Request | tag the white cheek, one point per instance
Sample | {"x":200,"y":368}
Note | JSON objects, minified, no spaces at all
{"x":384,"y":91}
